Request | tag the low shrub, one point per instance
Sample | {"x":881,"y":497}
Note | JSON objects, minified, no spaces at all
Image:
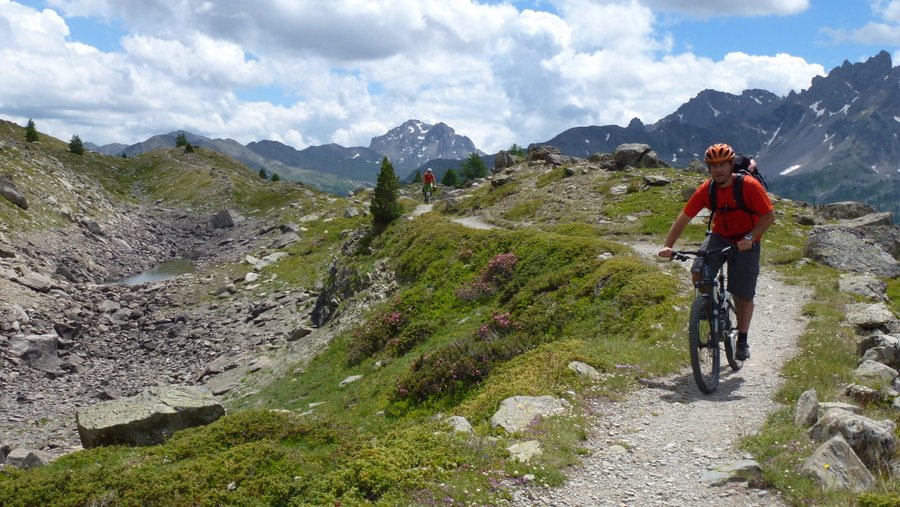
{"x":498,"y":271}
{"x":474,"y":291}
{"x":500,"y":268}
{"x":500,"y":324}
{"x":373,"y":335}
{"x":466,"y":362}
{"x":411,"y":336}
{"x":454,"y":368}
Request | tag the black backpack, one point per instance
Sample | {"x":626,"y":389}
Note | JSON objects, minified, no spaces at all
{"x":741,"y":169}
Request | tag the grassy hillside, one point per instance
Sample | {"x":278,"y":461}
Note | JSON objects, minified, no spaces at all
{"x":55,"y":181}
{"x":477,"y":316}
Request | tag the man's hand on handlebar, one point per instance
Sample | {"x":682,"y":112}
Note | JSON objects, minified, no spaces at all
{"x":665,"y":252}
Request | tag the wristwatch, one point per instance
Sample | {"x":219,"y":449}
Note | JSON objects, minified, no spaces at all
{"x":748,"y":237}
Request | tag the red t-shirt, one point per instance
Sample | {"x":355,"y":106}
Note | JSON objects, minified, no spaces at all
{"x":429,"y":178}
{"x":735,"y":222}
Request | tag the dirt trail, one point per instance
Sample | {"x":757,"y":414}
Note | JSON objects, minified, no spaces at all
{"x":654,"y":447}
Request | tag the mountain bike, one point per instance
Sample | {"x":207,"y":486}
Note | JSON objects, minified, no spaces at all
{"x":712,"y":320}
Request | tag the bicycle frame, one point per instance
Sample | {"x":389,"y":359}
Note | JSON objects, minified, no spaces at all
{"x":716,"y":292}
{"x":714,"y":307}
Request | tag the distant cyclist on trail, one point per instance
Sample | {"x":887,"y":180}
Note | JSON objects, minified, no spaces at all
{"x":733,"y":224}
{"x":428,"y":184}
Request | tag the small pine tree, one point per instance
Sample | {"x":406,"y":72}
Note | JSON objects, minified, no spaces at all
{"x":450,"y":179}
{"x":515,"y":149}
{"x":418,"y":177}
{"x":189,"y":148}
{"x":262,"y":173}
{"x":275,"y":177}
{"x":181,"y":140}
{"x":473,"y":167}
{"x":76,"y":146}
{"x":385,"y":206}
{"x":31,"y":134}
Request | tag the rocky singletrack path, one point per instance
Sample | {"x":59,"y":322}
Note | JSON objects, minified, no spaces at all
{"x":654,"y":447}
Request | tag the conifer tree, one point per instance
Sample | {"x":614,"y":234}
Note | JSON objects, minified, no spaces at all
{"x":450,"y":179}
{"x":473,"y":167}
{"x":31,"y":134}
{"x":515,"y":149}
{"x":76,"y":146}
{"x":262,"y":173}
{"x":418,"y":177}
{"x":189,"y":148}
{"x":275,"y":177}
{"x":181,"y":140}
{"x":385,"y":206}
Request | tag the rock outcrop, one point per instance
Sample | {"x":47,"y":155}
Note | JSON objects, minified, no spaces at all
{"x":147,"y":419}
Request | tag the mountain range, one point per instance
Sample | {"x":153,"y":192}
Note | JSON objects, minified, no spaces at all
{"x":836,"y":140}
{"x":330,"y":167}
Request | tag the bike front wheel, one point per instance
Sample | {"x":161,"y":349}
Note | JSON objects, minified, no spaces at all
{"x":704,"y":347}
{"x":729,"y":335}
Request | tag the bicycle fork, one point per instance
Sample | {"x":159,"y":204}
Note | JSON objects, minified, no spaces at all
{"x":712,"y":307}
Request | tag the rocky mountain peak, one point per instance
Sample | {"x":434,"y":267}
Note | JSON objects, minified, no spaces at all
{"x":414,"y":143}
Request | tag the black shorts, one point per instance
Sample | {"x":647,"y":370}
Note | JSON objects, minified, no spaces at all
{"x":743,"y":267}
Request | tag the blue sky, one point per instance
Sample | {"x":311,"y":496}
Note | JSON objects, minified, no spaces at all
{"x":310,"y":72}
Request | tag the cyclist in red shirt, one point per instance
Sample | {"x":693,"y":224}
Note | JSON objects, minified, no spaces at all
{"x":428,"y":184}
{"x":731,"y":225}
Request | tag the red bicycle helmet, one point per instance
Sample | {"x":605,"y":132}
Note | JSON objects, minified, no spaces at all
{"x":719,"y":153}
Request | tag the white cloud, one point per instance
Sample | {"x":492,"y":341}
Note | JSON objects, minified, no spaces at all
{"x":889,"y":10}
{"x":710,"y":8}
{"x":352,"y":69}
{"x":871,"y":33}
{"x":886,"y":32}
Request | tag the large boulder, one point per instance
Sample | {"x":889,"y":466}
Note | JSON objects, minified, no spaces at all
{"x":873,"y":441}
{"x":148,"y":418}
{"x":342,"y":282}
{"x":865,"y":285}
{"x":806,"y":411}
{"x":40,"y":352}
{"x":28,"y":458}
{"x":222,"y":220}
{"x":516,"y":413}
{"x":848,"y":250}
{"x":505,"y":159}
{"x":545,"y":153}
{"x":835,"y":466}
{"x":844,"y":210}
{"x":881,"y":348}
{"x":36,"y":281}
{"x":636,"y":155}
{"x":11,"y":192}
{"x":873,"y":372}
{"x":605,"y":160}
{"x":867,"y":316}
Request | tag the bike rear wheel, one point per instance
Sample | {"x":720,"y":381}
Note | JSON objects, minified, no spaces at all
{"x":730,"y":336}
{"x":704,"y":347}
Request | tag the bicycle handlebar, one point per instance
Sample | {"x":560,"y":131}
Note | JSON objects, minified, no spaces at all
{"x":686,"y":255}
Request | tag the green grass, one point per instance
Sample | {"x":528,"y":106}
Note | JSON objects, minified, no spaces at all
{"x":552,"y":176}
{"x":524,"y":210}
